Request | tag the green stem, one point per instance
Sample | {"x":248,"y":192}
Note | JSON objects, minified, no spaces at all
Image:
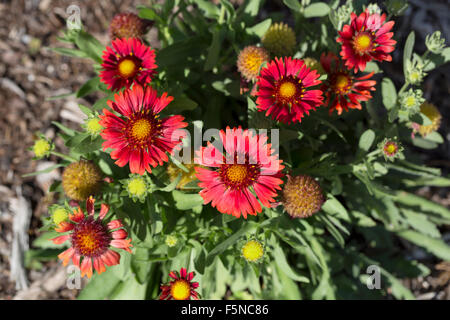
{"x":222,"y":15}
{"x":64,"y":156}
{"x":403,"y":88}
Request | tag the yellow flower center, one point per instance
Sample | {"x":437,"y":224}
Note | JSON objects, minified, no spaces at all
{"x":415,"y":76}
{"x":171,"y":241}
{"x":391,"y":148}
{"x":127,"y":68}
{"x":252,"y":250}
{"x":362,"y":43}
{"x":341,"y":82}
{"x":59,"y":215}
{"x":287,"y":90}
{"x":41,"y":147}
{"x":237,"y":173}
{"x":141,"y":129}
{"x":410,"y":101}
{"x":137,"y":187}
{"x":93,"y":126}
{"x":253,"y":62}
{"x":180,"y":290}
{"x":88,"y":241}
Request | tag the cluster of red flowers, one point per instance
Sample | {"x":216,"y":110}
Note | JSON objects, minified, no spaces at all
{"x":232,"y":180}
{"x":285,"y":84}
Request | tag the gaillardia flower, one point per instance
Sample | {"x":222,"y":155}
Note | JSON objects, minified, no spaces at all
{"x":391,"y":149}
{"x":366,"y":38}
{"x":138,"y":136}
{"x":302,"y":196}
{"x":91,"y":239}
{"x":250,"y":60}
{"x":433,"y":114}
{"x":252,"y":251}
{"x":246,"y":169}
{"x":181,"y":287}
{"x":342,"y":90}
{"x":284,"y":90}
{"x":279,"y":40}
{"x":82,"y":179}
{"x":127,"y":25}
{"x":128,"y":61}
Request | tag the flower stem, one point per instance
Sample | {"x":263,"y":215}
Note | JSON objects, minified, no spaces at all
{"x":403,"y":88}
{"x":64,"y":156}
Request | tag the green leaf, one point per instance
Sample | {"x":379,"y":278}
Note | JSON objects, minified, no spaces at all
{"x":88,"y":145}
{"x":182,"y":103}
{"x":140,"y":264}
{"x":214,"y":49}
{"x":253,"y":6}
{"x":49,"y":169}
{"x":435,"y":246}
{"x":434,"y":137}
{"x":389,"y":93}
{"x":412,"y":200}
{"x":90,"y":46}
{"x":64,"y":129}
{"x":149,"y":14}
{"x":408,"y":50}
{"x":424,"y":143}
{"x":280,"y":260}
{"x":70,"y":52}
{"x":419,"y":221}
{"x":334,"y":207}
{"x":260,"y":29}
{"x":100,"y":286}
{"x":88,"y":87}
{"x":288,"y":288}
{"x":224,"y":245}
{"x":366,"y":140}
{"x":86,"y":110}
{"x":129,"y":289}
{"x":293,"y":4}
{"x":186,"y":201}
{"x":318,"y":9}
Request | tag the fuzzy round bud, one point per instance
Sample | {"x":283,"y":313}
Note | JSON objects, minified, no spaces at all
{"x":250,"y":60}
{"x":127,"y":25}
{"x":280,"y":40}
{"x":302,"y":196}
{"x":82,"y":179}
{"x":434,"y":42}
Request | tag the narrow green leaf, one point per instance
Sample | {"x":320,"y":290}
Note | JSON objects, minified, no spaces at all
{"x":318,"y":9}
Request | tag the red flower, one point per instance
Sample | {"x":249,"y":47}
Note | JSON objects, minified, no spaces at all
{"x":128,"y":61}
{"x":283,"y":89}
{"x":342,"y":89}
{"x":91,"y":239}
{"x":140,"y":138}
{"x":246,"y":170}
{"x":181,"y":288}
{"x":366,"y":38}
